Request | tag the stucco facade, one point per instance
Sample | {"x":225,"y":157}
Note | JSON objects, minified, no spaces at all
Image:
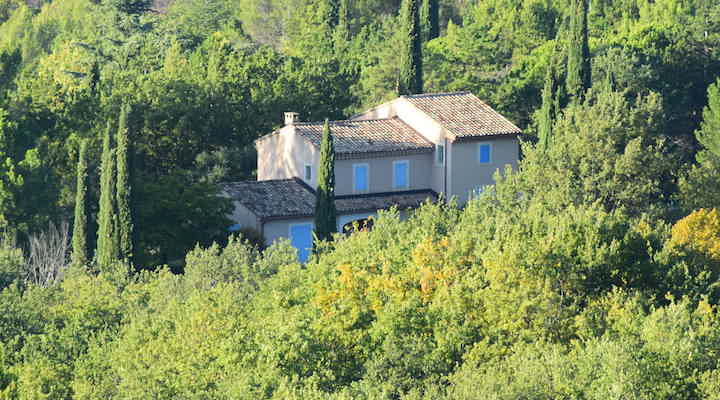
{"x":468,"y":174}
{"x":381,"y":173}
{"x":284,"y":155}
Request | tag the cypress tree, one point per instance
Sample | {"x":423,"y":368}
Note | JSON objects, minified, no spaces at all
{"x":124,"y":190}
{"x":551,"y":98}
{"x":333,"y":13}
{"x":410,"y":80}
{"x":547,"y":110}
{"x":79,"y":238}
{"x":325,"y":212}
{"x":433,"y":19}
{"x":107,"y":251}
{"x":578,"y":78}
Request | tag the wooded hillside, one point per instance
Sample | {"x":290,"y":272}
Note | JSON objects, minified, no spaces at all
{"x":590,"y":272}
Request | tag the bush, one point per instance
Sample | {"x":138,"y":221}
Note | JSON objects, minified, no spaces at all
{"x":12,"y":264}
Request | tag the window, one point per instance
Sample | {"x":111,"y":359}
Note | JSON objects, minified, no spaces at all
{"x":361,"y":178}
{"x":439,"y":154}
{"x":401,"y":174}
{"x":308,"y":172}
{"x":484,"y":153}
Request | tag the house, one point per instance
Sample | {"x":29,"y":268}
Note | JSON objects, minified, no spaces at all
{"x":400,"y":153}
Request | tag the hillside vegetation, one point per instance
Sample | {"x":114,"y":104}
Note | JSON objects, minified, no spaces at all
{"x":590,"y":272}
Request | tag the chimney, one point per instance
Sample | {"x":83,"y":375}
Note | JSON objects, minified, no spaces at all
{"x":291,"y":118}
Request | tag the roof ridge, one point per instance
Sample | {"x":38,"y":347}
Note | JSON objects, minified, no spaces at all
{"x":258,"y":181}
{"x":415,"y":96}
{"x":345,"y":121}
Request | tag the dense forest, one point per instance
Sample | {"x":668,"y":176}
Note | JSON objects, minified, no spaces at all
{"x":592,"y":271}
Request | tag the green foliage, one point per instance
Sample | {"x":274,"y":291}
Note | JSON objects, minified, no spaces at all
{"x":325,"y":212}
{"x":12,"y":264}
{"x":410,"y":79}
{"x":700,"y":186}
{"x":578,"y":79}
{"x":709,"y":133}
{"x":550,"y":107}
{"x":123,"y":190}
{"x":553,"y":284}
{"x":107,"y":243}
{"x":80,"y":224}
{"x":605,"y":150}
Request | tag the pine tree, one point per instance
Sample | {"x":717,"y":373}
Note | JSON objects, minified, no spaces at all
{"x":124,"y":209}
{"x":325,"y":212}
{"x":578,"y":78}
{"x":80,"y":235}
{"x":410,"y":80}
{"x":107,"y":251}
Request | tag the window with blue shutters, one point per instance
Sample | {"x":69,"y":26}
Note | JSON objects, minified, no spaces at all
{"x":401,"y":174}
{"x":485,"y":153}
{"x":361,"y":178}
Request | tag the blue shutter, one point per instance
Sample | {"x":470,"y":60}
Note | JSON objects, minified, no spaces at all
{"x":401,"y":175}
{"x":361,"y":178}
{"x":301,"y":239}
{"x":484,"y":153}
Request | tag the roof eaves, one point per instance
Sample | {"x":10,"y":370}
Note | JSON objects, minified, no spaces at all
{"x":380,"y":194}
{"x":385,"y":153}
{"x":483,"y":137}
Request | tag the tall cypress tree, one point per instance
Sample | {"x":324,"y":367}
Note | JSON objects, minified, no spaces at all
{"x":79,"y":238}
{"x":578,"y":78}
{"x":551,"y":97}
{"x":410,"y":80}
{"x":325,"y":212}
{"x":107,"y":251}
{"x":433,"y":19}
{"x":547,"y":110}
{"x":124,"y":210}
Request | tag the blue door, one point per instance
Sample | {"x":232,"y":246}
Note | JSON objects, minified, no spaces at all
{"x":301,"y":239}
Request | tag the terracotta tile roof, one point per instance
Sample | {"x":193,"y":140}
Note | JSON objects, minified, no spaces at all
{"x":368,"y":136}
{"x":289,"y":198}
{"x":463,"y":114}
{"x":273,"y":198}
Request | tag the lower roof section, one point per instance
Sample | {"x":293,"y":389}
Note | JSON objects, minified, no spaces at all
{"x":292,"y":198}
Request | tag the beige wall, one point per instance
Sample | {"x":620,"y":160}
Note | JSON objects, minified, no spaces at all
{"x":381,"y":173}
{"x":284,"y":155}
{"x":274,"y":230}
{"x":244,"y":217}
{"x":423,"y":124}
{"x":468,"y":174}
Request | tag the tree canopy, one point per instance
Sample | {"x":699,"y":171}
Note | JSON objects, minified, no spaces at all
{"x":589,"y":271}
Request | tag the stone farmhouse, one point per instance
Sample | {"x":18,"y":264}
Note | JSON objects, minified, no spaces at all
{"x":400,"y":153}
